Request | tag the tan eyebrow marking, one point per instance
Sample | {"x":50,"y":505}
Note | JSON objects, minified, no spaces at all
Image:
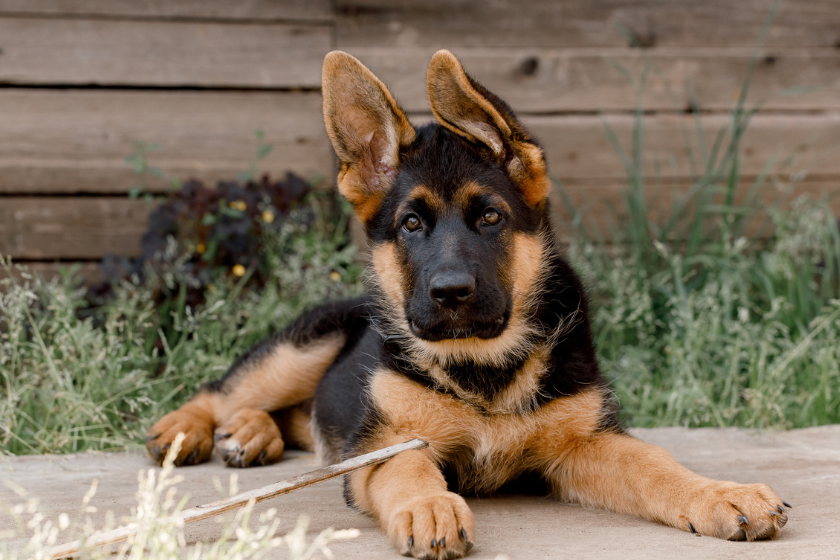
{"x":420,"y":192}
{"x":471,"y":190}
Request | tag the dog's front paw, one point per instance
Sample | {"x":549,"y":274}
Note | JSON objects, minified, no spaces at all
{"x":249,"y":439}
{"x":198,"y":441}
{"x":737,"y":512}
{"x":433,"y":527}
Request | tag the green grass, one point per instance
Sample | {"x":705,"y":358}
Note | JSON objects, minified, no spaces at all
{"x":724,"y":312}
{"x":69,"y":383}
{"x":728,"y":334}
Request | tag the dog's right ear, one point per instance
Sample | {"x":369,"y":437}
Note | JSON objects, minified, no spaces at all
{"x":367,"y":129}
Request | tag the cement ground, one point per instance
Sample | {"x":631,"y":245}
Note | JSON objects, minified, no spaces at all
{"x":802,"y":466}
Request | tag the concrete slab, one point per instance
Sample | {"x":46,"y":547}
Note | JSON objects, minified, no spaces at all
{"x":803,"y":466}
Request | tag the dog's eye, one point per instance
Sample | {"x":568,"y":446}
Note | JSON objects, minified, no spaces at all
{"x":412,"y":223}
{"x":491,"y":217}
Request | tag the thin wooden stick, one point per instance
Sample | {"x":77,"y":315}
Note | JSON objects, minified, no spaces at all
{"x":219,"y":507}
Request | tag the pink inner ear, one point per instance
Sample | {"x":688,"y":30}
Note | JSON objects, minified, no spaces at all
{"x":488,"y":134}
{"x":377,"y":163}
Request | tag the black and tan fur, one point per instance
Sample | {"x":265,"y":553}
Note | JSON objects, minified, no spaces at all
{"x":475,"y":338}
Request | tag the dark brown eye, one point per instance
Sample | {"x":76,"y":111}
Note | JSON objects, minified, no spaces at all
{"x":491,"y":217}
{"x":412,"y":223}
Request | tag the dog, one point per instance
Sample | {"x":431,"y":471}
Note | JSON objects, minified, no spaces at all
{"x":475,"y":337}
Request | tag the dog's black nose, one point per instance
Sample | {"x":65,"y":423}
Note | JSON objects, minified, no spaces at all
{"x":451,"y":289}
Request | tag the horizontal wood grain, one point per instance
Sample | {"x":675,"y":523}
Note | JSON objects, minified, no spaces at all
{"x":186,"y":75}
{"x":71,"y":228}
{"x":599,"y":212}
{"x":77,"y":141}
{"x":604,"y":204}
{"x":152,"y":53}
{"x":318,"y":10}
{"x":90,"y":227}
{"x":579,"y":147}
{"x":608,"y":79}
{"x":576,"y":23}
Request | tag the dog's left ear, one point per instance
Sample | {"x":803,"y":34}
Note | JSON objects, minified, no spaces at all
{"x":463,"y":106}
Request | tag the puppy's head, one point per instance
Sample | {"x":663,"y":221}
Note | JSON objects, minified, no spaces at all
{"x":456,"y":211}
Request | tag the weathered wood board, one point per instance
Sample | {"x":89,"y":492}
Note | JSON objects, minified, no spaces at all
{"x":317,"y":10}
{"x":277,"y":56}
{"x":583,"y":23}
{"x":534,"y":80}
{"x":77,"y":141}
{"x":89,"y":227}
{"x":82,"y":80}
{"x":71,"y":228}
{"x":156,"y":53}
{"x":598,"y":208}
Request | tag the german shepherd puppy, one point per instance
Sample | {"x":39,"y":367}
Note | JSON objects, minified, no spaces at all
{"x":475,"y":338}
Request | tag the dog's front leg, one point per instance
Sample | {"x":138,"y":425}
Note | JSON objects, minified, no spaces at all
{"x":621,"y":473}
{"x":407,"y":495}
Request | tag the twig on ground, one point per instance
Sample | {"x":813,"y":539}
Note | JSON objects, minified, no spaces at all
{"x":213,"y":509}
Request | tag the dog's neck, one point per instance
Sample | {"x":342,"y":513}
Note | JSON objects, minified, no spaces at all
{"x":501,"y":382}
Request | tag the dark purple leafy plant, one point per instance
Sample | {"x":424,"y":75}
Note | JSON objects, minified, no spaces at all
{"x":200,"y":232}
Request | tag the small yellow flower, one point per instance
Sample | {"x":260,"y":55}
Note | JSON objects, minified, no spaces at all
{"x":200,"y":248}
{"x":238,"y":205}
{"x":335,"y":276}
{"x":238,"y":270}
{"x":268,"y":216}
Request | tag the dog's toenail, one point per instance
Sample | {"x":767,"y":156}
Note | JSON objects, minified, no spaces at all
{"x":410,"y":541}
{"x":774,"y":514}
{"x":780,"y":509}
{"x":743,"y":519}
{"x":691,"y":528}
{"x":434,"y":542}
{"x":464,"y":538}
{"x":152,"y":438}
{"x":787,"y":505}
{"x":193,"y":458}
{"x":443,"y":542}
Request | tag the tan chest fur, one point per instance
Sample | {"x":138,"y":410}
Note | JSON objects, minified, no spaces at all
{"x":487,"y":448}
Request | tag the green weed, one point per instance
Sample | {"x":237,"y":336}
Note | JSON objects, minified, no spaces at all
{"x":724,"y":312}
{"x":73,"y":381}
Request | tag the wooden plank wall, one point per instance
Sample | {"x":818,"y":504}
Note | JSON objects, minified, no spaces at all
{"x":82,"y":80}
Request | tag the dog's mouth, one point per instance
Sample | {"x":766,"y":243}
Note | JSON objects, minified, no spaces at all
{"x":444,"y":330}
